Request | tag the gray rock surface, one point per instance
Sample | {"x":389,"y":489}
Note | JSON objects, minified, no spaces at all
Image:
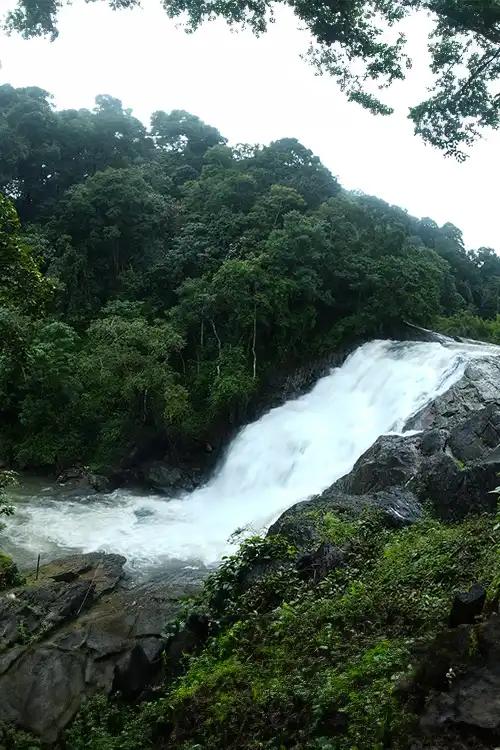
{"x":80,"y":479}
{"x":478,"y":388}
{"x":77,"y":630}
{"x":160,"y":475}
{"x":454,"y":459}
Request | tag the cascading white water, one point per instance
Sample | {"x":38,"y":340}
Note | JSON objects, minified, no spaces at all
{"x":291,"y":453}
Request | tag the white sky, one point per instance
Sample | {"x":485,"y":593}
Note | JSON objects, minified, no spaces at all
{"x":257,"y":90}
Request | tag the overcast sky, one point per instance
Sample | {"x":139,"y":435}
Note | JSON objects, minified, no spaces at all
{"x":257,"y":90}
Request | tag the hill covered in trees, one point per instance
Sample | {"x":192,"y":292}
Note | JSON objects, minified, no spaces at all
{"x":152,"y":280}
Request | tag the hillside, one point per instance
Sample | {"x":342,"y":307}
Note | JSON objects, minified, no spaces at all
{"x":163,"y":279}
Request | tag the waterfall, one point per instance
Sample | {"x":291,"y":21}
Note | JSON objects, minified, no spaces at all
{"x":291,"y":453}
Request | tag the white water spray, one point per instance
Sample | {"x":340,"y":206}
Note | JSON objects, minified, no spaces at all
{"x":291,"y":453}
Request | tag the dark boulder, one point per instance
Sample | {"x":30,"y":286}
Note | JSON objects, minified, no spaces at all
{"x":472,"y":702}
{"x":454,"y":490}
{"x":81,"y":479}
{"x":432,"y":442}
{"x":392,"y":461}
{"x":319,"y":563}
{"x":478,"y":387}
{"x":167,"y":478}
{"x":459,"y":680}
{"x":476,"y":436}
{"x":63,"y":590}
{"x":454,"y":470}
{"x":467,"y":606}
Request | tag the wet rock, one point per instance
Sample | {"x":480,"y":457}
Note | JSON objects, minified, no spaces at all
{"x":456,"y":491}
{"x":100,"y":483}
{"x":433,"y":441}
{"x":318,"y":564}
{"x":466,"y":699}
{"x":102,"y":570}
{"x":34,"y":611}
{"x":478,"y":387}
{"x":81,"y":479}
{"x":76,"y":631}
{"x":473,"y":702}
{"x":163,"y":476}
{"x":42,"y":691}
{"x":476,"y":436}
{"x":467,"y":606}
{"x":392,"y":461}
{"x":72,"y":474}
{"x":455,"y":470}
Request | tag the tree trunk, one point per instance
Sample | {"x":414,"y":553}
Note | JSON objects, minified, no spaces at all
{"x":254,"y":339}
{"x":219,"y":345}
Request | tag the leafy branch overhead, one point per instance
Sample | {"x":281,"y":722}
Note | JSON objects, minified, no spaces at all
{"x":361,"y":42}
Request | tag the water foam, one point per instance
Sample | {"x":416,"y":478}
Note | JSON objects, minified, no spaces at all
{"x":291,"y":453}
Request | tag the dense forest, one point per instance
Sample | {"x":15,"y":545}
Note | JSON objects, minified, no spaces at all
{"x":152,"y":279}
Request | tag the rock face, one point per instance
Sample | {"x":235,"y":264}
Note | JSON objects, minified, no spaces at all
{"x":77,"y":630}
{"x":453,"y":462}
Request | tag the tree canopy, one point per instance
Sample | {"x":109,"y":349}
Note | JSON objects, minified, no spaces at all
{"x":153,"y":281}
{"x":362,"y":42}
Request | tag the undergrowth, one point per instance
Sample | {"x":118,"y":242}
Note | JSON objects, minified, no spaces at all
{"x":296,"y":664}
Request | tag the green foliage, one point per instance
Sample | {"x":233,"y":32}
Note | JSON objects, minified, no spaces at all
{"x":233,"y":590}
{"x":468,"y":325}
{"x":22,"y":286}
{"x":335,"y":529}
{"x":12,"y":739}
{"x":102,"y":725}
{"x":316,"y":664}
{"x":7,"y":479}
{"x":185,"y":274}
{"x":358,"y":42}
{"x":8,"y":570}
